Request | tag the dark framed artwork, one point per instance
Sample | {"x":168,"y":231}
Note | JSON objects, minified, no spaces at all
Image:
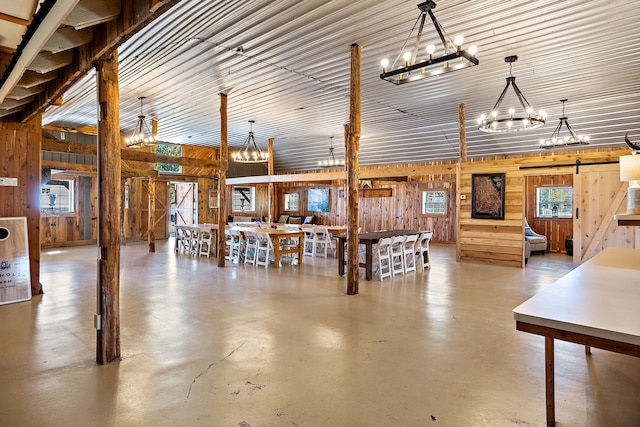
{"x":487,"y":195}
{"x":318,"y":200}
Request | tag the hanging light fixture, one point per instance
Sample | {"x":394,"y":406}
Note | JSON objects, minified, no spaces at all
{"x":331,"y":160}
{"x":511,"y":122}
{"x":454,"y":57}
{"x":142,"y":136}
{"x":250,"y":152}
{"x":572,"y":139}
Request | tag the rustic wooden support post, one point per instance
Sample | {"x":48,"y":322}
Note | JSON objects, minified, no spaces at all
{"x":123,"y":186}
{"x":462,"y":132}
{"x":272,"y":196}
{"x":352,"y":150}
{"x":152,"y":215}
{"x":109,"y":167}
{"x":222,"y":181}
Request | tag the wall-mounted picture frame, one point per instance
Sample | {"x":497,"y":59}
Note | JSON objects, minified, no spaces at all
{"x":487,"y":195}
{"x":318,"y":200}
{"x":213,"y":198}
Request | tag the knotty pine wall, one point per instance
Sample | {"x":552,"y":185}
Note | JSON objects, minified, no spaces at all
{"x":20,"y":147}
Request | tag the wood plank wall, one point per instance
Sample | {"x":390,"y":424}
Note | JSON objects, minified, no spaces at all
{"x":501,"y":241}
{"x":20,"y":145}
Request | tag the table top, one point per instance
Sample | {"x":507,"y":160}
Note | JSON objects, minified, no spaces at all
{"x":600,"y":298}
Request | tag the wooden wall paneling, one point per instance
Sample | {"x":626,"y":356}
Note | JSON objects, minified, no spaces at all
{"x":20,"y":146}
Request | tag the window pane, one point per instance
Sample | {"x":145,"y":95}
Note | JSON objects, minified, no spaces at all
{"x":243,"y":199}
{"x":57,"y":195}
{"x":291,"y":202}
{"x":554,"y":202}
{"x":434,"y":202}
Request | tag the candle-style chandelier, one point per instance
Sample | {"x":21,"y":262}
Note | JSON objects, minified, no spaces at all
{"x":453,"y":58}
{"x":556,"y":140}
{"x":142,"y":135}
{"x":513,"y":121}
{"x":331,"y":160}
{"x":250,"y":152}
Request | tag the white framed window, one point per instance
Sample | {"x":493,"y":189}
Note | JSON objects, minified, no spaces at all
{"x":291,"y":202}
{"x":434,"y":202}
{"x":58,"y":195}
{"x":244,"y":199}
{"x":554,"y":202}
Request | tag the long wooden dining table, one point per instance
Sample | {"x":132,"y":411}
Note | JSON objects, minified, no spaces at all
{"x":368,"y":240}
{"x":278,"y":237}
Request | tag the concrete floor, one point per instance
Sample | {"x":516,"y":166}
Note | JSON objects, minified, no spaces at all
{"x":244,"y":346}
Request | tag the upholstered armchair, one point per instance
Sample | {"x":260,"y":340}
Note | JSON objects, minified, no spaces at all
{"x":537,"y":241}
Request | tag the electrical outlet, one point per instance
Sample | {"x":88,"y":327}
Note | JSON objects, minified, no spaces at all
{"x":463,"y":196}
{"x":8,"y":182}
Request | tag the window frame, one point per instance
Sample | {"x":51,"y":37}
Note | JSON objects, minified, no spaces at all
{"x":284,"y":201}
{"x":174,"y":150}
{"x":423,"y":195}
{"x":46,"y":190}
{"x":252,"y":196}
{"x":570,"y":210}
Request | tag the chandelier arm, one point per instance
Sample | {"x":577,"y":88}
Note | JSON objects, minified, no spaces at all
{"x":521,"y":98}
{"x":501,"y":97}
{"x":418,"y":37}
{"x":439,"y":30}
{"x":566,"y":123}
{"x":405,"y":43}
{"x":556,"y":131}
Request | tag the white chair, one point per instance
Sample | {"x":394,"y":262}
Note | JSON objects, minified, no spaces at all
{"x":382,"y":258}
{"x":264,"y":249}
{"x":184,"y":239}
{"x":194,"y":241}
{"x":409,"y":247}
{"x":422,"y":250}
{"x":309,"y":241}
{"x":233,"y":247}
{"x":397,"y":255}
{"x":250,"y":247}
{"x":204,"y":245}
{"x":322,"y":242}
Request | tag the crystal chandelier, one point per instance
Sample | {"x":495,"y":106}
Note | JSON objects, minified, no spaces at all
{"x":454,"y":57}
{"x":250,"y":152}
{"x":331,"y":161}
{"x":142,"y":136}
{"x":572,"y":139}
{"x":497,"y":121}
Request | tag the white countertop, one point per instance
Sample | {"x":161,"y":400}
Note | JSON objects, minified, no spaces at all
{"x":600,"y":298}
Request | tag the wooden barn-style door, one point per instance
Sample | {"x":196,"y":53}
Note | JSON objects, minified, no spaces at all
{"x":184,"y":211}
{"x":598,"y":196}
{"x":162,"y":210}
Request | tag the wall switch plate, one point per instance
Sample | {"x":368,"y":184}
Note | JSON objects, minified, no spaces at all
{"x":8,"y":182}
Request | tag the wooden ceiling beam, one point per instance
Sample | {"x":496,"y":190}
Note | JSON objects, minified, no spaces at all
{"x":107,"y":37}
{"x":133,"y":155}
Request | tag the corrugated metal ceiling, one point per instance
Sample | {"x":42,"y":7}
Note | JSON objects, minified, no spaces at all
{"x":285,"y":64}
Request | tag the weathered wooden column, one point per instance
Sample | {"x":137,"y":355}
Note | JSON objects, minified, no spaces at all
{"x":222,"y":181}
{"x":272,"y":196}
{"x":352,"y":151}
{"x":152,"y":215}
{"x":108,"y":159}
{"x":123,"y":236}
{"x":462,"y":132}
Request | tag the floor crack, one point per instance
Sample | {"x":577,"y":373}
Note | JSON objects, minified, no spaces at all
{"x":209,"y":367}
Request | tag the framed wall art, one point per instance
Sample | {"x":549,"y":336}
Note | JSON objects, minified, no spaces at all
{"x":487,"y":195}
